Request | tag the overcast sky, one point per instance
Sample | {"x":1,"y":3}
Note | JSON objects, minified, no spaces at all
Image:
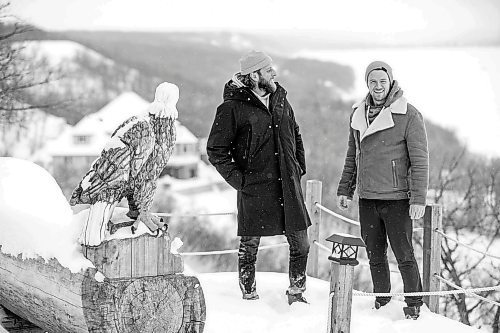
{"x":382,"y":18}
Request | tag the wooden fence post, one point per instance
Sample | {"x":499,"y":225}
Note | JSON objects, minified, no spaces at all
{"x":343,"y":260}
{"x":340,"y":302}
{"x":432,"y":254}
{"x":313,"y":195}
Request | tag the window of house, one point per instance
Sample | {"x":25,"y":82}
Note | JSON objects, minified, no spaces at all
{"x":193,"y":173}
{"x":81,"y":139}
{"x":179,"y":148}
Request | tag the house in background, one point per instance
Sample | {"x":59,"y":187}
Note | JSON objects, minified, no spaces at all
{"x":183,"y":163}
{"x":77,"y":147}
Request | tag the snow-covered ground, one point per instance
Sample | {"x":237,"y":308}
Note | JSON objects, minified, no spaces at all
{"x":36,"y":220}
{"x":227,"y":312}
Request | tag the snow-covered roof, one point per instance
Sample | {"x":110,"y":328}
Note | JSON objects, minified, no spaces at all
{"x":180,"y":160}
{"x":112,"y":114}
{"x":184,"y":135}
{"x":100,"y":125}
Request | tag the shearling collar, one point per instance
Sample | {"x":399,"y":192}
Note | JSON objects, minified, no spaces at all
{"x":381,"y":122}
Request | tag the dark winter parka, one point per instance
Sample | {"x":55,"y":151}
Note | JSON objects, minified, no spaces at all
{"x":259,"y":152}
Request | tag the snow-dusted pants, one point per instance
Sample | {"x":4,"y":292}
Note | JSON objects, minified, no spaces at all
{"x":299,"y":250}
{"x":382,"y":219}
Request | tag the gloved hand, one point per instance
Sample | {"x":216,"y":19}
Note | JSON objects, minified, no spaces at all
{"x":343,"y":202}
{"x":417,"y":211}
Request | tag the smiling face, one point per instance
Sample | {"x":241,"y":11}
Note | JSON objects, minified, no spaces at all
{"x":379,"y":86}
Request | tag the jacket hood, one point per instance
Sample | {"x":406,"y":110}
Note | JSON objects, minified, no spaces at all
{"x":234,"y":89}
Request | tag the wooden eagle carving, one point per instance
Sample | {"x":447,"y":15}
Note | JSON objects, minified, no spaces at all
{"x":129,"y":166}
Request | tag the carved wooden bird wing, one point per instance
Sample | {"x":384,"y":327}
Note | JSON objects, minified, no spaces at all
{"x":123,"y":157}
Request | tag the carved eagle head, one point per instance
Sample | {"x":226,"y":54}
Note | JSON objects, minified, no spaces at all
{"x":164,"y":105}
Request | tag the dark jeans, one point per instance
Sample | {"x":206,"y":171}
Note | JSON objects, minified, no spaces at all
{"x":382,"y":219}
{"x":247,"y":256}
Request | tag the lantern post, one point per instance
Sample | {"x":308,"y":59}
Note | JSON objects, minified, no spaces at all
{"x":343,"y":260}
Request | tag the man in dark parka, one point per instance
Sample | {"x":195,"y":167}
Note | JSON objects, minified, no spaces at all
{"x":255,"y":144}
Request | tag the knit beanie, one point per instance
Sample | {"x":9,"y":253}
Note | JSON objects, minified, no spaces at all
{"x":379,"y":65}
{"x":254,"y":61}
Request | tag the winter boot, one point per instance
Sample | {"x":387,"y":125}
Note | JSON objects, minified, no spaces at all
{"x":249,"y":292}
{"x":292,"y":298}
{"x":251,"y":296}
{"x":412,"y":312}
{"x":381,"y":302}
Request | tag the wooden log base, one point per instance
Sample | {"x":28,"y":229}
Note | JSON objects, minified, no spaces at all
{"x":141,"y":292}
{"x":169,"y":304}
{"x":13,"y":323}
{"x":141,"y":256}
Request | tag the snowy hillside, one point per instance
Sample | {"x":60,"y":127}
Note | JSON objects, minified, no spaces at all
{"x":73,"y":64}
{"x":60,"y":53}
{"x":83,"y":80}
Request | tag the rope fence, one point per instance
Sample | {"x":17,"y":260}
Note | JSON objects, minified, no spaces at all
{"x":193,"y":214}
{"x":470,"y":291}
{"x":346,"y":219}
{"x":207,"y":253}
{"x":341,"y":217}
{"x":467,"y":246}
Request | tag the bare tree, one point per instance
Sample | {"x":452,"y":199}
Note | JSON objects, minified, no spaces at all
{"x":468,"y":189}
{"x":17,"y":74}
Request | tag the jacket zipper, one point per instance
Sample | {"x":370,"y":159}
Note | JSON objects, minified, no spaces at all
{"x":246,"y":155}
{"x":394,"y":174}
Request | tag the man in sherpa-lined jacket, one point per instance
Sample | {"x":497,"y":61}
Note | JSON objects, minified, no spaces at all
{"x":387,"y":161}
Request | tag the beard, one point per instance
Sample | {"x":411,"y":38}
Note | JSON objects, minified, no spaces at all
{"x":267,"y":85}
{"x":379,"y":98}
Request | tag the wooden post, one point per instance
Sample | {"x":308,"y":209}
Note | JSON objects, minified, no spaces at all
{"x":343,"y":259}
{"x":313,"y":195}
{"x":341,"y":281}
{"x":432,"y":254}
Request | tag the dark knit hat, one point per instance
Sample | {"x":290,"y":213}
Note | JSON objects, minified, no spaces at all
{"x":254,"y":61}
{"x":379,"y":65}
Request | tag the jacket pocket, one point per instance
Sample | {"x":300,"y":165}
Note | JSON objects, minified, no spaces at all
{"x":394,"y":174}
